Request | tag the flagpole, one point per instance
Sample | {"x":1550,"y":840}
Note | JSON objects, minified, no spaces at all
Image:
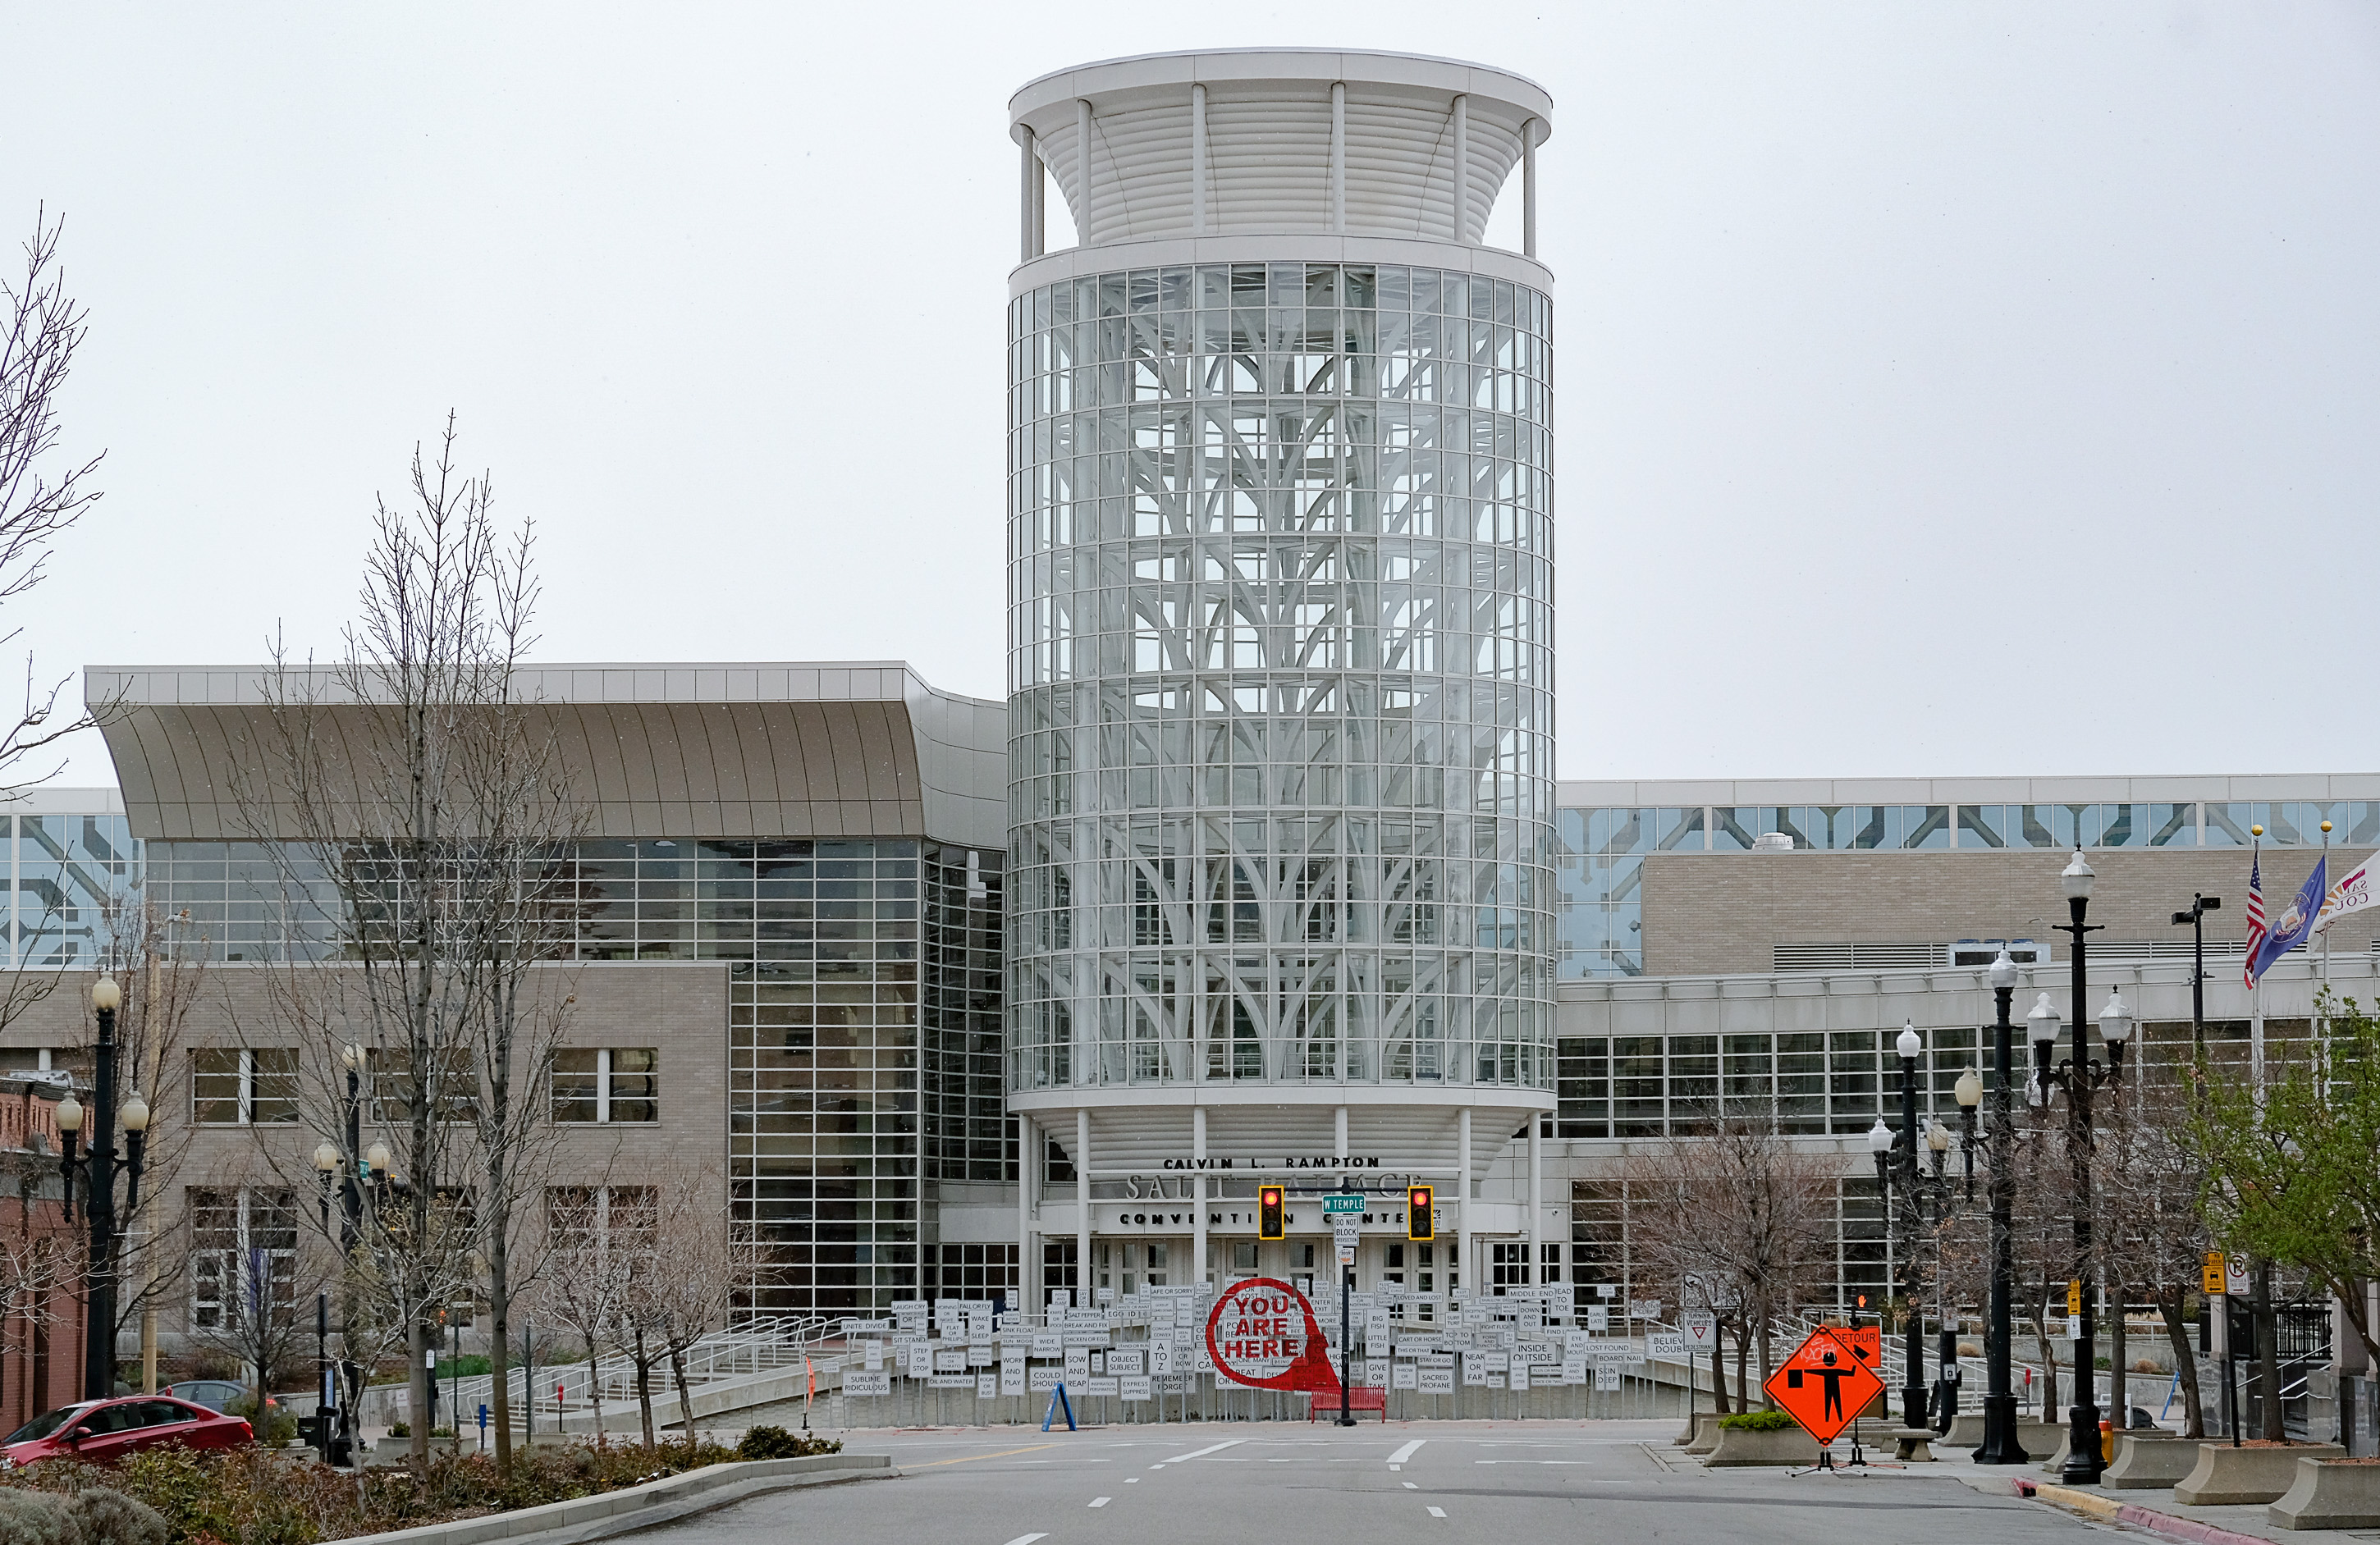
{"x":2321,"y":1025}
{"x":2256,"y":994}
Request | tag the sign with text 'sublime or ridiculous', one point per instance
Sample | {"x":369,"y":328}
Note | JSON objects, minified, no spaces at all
{"x":1264,"y":1333}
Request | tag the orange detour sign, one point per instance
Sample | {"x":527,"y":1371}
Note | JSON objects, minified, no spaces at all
{"x":1824,"y":1384}
{"x":1867,"y":1343}
{"x":1264,"y":1333}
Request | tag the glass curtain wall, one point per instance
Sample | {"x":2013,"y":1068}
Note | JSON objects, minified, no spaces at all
{"x":862,"y":1020}
{"x":1280,"y":657}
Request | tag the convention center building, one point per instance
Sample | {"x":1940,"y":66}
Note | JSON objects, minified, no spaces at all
{"x":1260,"y":874}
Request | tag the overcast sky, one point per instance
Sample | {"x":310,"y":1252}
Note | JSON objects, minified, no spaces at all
{"x":1940,"y":389}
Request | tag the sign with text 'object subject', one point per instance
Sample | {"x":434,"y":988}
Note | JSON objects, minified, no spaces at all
{"x":1824,"y":1384}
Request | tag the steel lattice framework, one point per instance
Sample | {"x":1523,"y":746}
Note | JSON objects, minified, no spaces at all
{"x":1280,"y":657}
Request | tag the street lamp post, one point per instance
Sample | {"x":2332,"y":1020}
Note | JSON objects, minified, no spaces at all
{"x":1910,"y":1046}
{"x":1999,"y":1445}
{"x":98,"y":1172}
{"x":2194,"y":919}
{"x":329,"y":1160}
{"x":2079,"y":1076}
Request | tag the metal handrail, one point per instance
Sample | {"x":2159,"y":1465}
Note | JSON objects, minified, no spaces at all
{"x":759,"y":1347}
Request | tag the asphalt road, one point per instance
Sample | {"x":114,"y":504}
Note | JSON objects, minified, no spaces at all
{"x":1614,"y":1483}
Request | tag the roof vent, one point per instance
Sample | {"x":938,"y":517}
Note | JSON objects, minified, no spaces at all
{"x":1772,"y":842}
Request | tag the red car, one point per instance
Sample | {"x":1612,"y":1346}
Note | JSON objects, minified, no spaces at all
{"x":102,"y":1432}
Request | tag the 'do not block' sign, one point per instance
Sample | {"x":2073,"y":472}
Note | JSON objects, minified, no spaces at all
{"x":1263,"y":1333}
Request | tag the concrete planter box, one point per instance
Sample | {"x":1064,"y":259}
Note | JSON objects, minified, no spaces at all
{"x":2326,"y":1496}
{"x":1702,"y":1436}
{"x":665,"y":1500}
{"x":1741,"y":1448}
{"x":2228,"y":1477}
{"x":2145,"y":1461}
{"x":1966,"y":1430}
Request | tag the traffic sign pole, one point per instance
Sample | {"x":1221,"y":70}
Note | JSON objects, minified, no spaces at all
{"x":1345,"y":1221}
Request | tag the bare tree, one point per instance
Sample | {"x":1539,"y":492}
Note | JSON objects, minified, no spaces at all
{"x":41,"y":329}
{"x":601,"y":1238}
{"x":1740,"y":1205}
{"x":423,"y":858}
{"x":682,"y":1287}
{"x":252,"y":1271}
{"x":163,"y":968}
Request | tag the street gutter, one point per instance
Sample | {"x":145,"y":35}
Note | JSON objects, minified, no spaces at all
{"x":2111,"y":1511}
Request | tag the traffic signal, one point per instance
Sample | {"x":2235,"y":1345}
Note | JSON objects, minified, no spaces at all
{"x":1272,"y":1218}
{"x":1421,"y":1216}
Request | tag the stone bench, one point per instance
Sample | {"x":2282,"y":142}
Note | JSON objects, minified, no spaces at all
{"x":1913,"y":1445}
{"x":2228,"y":1477}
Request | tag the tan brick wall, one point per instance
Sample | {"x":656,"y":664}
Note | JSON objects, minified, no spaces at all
{"x":680,"y":1009}
{"x":1716,"y":912}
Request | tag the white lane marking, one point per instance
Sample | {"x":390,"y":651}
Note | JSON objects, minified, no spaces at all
{"x":1199,"y":1453}
{"x":1027,"y":1539}
{"x":1099,"y":1501}
{"x":1131,"y":1480}
{"x":1438,"y":1513}
{"x":1401,"y":1456}
{"x":1411,"y":1486}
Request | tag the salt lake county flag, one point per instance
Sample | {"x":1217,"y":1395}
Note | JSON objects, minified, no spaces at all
{"x":2354,"y":891}
{"x":2295,"y":923}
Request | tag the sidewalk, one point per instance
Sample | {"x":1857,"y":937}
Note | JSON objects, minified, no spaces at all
{"x":2153,"y":1510}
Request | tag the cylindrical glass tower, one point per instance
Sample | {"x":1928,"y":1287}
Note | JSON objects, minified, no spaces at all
{"x":1280,"y":579}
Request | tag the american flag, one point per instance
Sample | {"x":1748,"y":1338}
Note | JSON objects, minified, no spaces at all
{"x":2255,"y":916}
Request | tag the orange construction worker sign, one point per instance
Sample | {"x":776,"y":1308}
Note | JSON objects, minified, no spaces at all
{"x":1823,"y":1385}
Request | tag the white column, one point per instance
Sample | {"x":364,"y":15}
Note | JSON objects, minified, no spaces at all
{"x":1041,"y":202}
{"x":1083,"y":167}
{"x":1339,"y":184}
{"x":1198,"y":161}
{"x":1028,"y":1254}
{"x":1536,"y":1202}
{"x":1340,"y":1129}
{"x":1027,"y":170}
{"x":1463,"y":1194}
{"x":1461,"y":164}
{"x":1083,"y":1206}
{"x":1198,"y":1241}
{"x":1529,"y":132}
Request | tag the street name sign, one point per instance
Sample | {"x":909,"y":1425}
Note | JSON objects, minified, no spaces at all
{"x":1342,"y":1202}
{"x":1824,"y":1384}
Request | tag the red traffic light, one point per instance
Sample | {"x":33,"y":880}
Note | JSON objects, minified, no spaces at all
{"x":1421,"y":1213}
{"x":1272,"y":1215}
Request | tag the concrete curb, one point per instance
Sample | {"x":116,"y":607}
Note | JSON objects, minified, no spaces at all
{"x":638,"y":1507}
{"x":2114,"y":1511}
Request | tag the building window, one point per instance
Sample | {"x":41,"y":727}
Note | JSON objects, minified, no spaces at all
{"x":454,"y":1085}
{"x":243,"y":1086}
{"x":609,"y":1085}
{"x":980,"y":1272}
{"x":603,"y":1219}
{"x":243,"y":1254}
{"x":1509,"y":1267}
